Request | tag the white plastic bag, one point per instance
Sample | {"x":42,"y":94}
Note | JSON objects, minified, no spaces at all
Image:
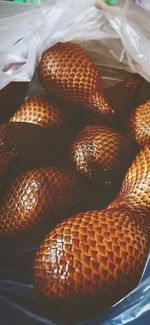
{"x":123,"y":33}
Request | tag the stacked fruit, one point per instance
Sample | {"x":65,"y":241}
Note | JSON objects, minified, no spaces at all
{"x":83,"y":153}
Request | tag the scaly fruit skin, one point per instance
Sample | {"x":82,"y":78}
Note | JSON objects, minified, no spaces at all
{"x":100,"y":150}
{"x":123,"y":96}
{"x":139,"y":124}
{"x":94,"y":254}
{"x":66,"y":71}
{"x":26,"y":146}
{"x":11,"y":97}
{"x":23,"y":138}
{"x":35,"y":195}
{"x":38,"y":110}
{"x":135,"y":189}
{"x":23,"y":143}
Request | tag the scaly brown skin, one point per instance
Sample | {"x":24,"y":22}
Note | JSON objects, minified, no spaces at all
{"x":11,"y":98}
{"x":99,"y":151}
{"x":123,"y":96}
{"x":22,"y":138}
{"x":35,"y":195}
{"x":24,"y":144}
{"x":39,"y":110}
{"x":135,"y":189}
{"x":66,"y":71}
{"x":139,"y":124}
{"x":95,"y":256}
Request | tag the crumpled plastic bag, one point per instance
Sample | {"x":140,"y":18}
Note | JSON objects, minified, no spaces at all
{"x":145,"y":4}
{"x":116,"y":38}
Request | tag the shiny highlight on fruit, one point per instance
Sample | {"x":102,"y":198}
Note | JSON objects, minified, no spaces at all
{"x":99,"y":151}
{"x":139,"y":124}
{"x":135,"y":189}
{"x":39,"y":110}
{"x":67,"y":71}
{"x":36,"y":195}
{"x":93,"y":256}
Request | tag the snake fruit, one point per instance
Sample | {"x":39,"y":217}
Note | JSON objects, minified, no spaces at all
{"x":38,"y":110}
{"x":66,"y":71}
{"x":99,"y":151}
{"x":139,"y":124}
{"x":35,"y":195}
{"x":135,"y":189}
{"x":94,"y":254}
{"x":122,"y":97}
{"x":25,"y":146}
{"x":22,"y":138}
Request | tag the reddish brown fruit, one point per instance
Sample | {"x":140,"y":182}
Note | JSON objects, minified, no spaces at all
{"x":93,"y":255}
{"x":139,"y":124}
{"x":123,"y":96}
{"x":35,"y":195}
{"x":100,"y":151}
{"x":135,"y":189}
{"x":25,"y":145}
{"x":66,"y":71}
{"x":26,"y":141}
{"x":38,"y":110}
{"x":11,"y":97}
{"x":22,"y":138}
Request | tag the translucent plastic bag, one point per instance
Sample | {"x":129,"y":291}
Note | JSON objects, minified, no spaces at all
{"x":116,"y":38}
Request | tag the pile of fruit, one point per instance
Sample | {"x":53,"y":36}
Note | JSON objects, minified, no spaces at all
{"x":77,"y":159}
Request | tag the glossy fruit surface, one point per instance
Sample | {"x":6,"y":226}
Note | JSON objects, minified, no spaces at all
{"x":135,"y":189}
{"x":95,"y":254}
{"x":35,"y":195}
{"x":66,"y":71}
{"x":123,"y":96}
{"x":38,"y":110}
{"x":139,"y":124}
{"x":100,"y":151}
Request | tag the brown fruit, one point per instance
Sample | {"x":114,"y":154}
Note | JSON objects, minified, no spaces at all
{"x":11,"y":97}
{"x":38,"y":110}
{"x":22,"y":138}
{"x":135,"y":189}
{"x":123,"y":96}
{"x":25,"y":145}
{"x":99,"y":151}
{"x":35,"y":195}
{"x":93,"y":256}
{"x":66,"y":71}
{"x":139,"y":124}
